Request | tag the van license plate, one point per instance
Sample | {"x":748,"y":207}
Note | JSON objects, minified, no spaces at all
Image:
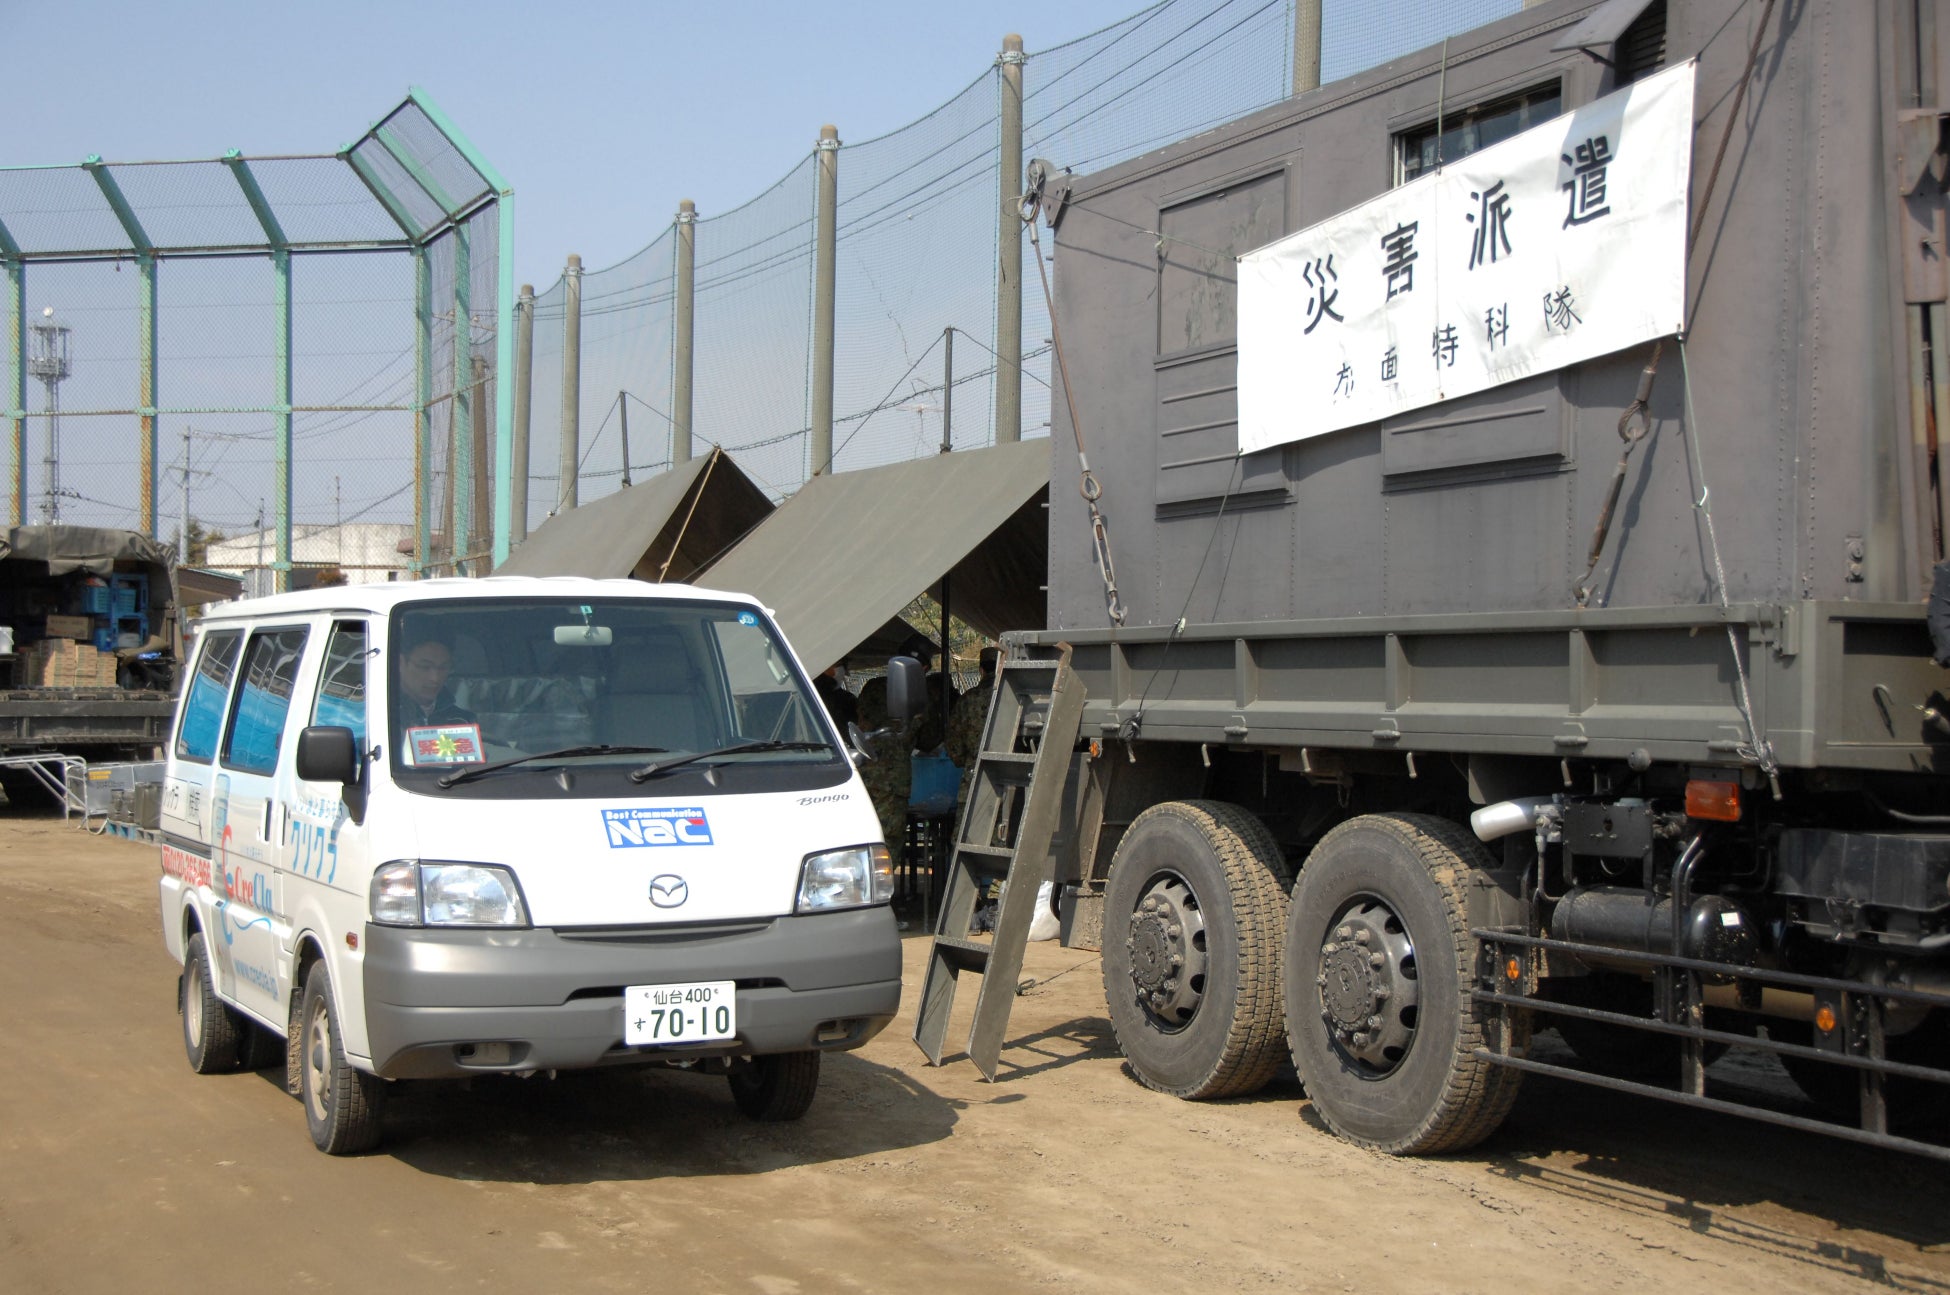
{"x":694,"y":1013}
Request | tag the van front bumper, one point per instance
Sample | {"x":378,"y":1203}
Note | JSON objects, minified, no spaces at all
{"x":442,"y":1003}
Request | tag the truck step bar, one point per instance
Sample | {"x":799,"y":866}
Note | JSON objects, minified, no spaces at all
{"x":1004,"y":833}
{"x":1848,"y":1032}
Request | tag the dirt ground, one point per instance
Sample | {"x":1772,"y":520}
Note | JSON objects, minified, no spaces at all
{"x":120,"y":1170}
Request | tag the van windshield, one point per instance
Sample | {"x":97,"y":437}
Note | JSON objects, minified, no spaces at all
{"x":501,"y":696}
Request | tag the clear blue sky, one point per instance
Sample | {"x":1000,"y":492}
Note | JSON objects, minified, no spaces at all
{"x":602,"y":116}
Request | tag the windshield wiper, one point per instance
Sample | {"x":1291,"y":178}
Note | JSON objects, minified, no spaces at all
{"x":656,"y":767}
{"x":475,"y":771}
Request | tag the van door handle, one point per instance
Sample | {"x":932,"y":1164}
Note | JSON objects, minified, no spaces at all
{"x":266,"y":837}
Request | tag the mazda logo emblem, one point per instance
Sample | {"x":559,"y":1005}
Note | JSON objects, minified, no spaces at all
{"x":669,"y":891}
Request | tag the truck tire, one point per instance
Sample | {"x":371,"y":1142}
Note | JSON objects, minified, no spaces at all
{"x":1379,"y":965}
{"x":343,"y":1104}
{"x":212,"y":1032}
{"x":775,"y":1089}
{"x":1194,"y":919}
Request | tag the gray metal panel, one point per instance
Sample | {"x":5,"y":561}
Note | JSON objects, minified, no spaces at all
{"x":696,"y":509}
{"x":843,"y":556}
{"x":1794,"y":368}
{"x":1835,"y":685}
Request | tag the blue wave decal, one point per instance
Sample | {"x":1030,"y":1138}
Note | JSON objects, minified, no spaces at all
{"x":227,"y":922}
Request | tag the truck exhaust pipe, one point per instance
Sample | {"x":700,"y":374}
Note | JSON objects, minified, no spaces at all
{"x":1508,"y":817}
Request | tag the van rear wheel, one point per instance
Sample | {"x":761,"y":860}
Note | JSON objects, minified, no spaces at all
{"x":343,"y":1104}
{"x":777,"y":1088}
{"x":211,"y":1031}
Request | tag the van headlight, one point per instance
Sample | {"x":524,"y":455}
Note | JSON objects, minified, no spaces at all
{"x":413,"y":892}
{"x":849,"y":878}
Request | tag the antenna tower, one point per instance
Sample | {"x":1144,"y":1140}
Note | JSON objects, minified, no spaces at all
{"x":49,"y":363}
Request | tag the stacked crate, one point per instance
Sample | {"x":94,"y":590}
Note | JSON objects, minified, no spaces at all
{"x":64,"y":663}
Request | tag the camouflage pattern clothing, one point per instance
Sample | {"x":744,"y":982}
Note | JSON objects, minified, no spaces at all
{"x":888,"y":775}
{"x":965,"y":726}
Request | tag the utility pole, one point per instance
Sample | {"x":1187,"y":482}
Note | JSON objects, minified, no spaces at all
{"x":259,"y":590}
{"x":1008,"y":241}
{"x":524,"y":397}
{"x":623,"y":421}
{"x":948,"y":389}
{"x":565,"y":494}
{"x":683,"y":326}
{"x":1306,"y":46}
{"x":824,"y":245}
{"x":183,"y":535}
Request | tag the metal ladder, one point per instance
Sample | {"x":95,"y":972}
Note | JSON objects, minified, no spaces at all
{"x":1004,"y":834}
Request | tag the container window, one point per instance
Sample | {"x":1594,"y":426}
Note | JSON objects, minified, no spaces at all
{"x":1466,"y":130}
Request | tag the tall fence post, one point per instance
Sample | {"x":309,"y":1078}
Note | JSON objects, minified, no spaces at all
{"x":15,"y":393}
{"x":824,"y":250}
{"x":565,"y":496}
{"x":683,"y":334}
{"x":1008,"y":242}
{"x":146,"y":364}
{"x":483,"y":459}
{"x":461,"y":467}
{"x":524,"y":392}
{"x":623,"y":427}
{"x":281,"y":564}
{"x":422,"y":412}
{"x":1306,"y":45}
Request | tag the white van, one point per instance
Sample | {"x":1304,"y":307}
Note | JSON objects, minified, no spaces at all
{"x":457,"y":827}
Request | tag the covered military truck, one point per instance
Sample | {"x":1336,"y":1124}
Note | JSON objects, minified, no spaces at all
{"x":1517,"y":473}
{"x":87,"y":659}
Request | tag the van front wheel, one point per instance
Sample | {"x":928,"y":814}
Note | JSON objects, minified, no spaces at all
{"x":775,"y":1089}
{"x":343,"y":1104}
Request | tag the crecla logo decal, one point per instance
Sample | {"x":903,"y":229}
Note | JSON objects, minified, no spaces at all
{"x":669,"y":891}
{"x":631,"y":828}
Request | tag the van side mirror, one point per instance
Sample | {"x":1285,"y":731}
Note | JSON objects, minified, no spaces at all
{"x":906,"y":689}
{"x":328,"y":753}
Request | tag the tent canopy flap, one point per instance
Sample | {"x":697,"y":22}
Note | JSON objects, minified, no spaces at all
{"x":840,"y":559}
{"x":664,"y":529}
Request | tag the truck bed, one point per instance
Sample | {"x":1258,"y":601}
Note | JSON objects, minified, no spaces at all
{"x":1838,"y":685}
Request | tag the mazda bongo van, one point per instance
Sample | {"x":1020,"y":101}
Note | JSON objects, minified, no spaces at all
{"x":515,"y":825}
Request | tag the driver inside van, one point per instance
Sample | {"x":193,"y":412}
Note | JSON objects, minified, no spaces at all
{"x":424,"y":698}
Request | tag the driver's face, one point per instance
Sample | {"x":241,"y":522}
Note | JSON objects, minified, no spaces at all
{"x":424,"y":672}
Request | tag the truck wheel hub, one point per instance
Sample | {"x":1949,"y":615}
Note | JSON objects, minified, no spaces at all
{"x":1368,"y":987}
{"x":1166,"y":944}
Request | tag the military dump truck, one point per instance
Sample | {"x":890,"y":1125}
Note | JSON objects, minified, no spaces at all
{"x":87,"y":669}
{"x":1445,"y":683}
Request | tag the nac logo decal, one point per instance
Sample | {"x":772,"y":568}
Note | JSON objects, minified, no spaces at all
{"x":630,"y":828}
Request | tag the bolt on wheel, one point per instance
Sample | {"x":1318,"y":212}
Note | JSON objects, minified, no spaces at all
{"x":1167,"y":948}
{"x":1369,"y":992}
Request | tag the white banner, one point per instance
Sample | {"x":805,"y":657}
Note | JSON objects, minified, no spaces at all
{"x":1560,"y":244}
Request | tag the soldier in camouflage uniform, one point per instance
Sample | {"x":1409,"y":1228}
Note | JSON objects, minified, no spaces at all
{"x":965,"y":725}
{"x":888,"y":775}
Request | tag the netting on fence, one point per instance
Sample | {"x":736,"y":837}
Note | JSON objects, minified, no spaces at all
{"x":916,"y":250}
{"x":375,"y":230}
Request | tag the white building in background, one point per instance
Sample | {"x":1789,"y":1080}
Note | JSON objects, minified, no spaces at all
{"x":363,"y":551}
